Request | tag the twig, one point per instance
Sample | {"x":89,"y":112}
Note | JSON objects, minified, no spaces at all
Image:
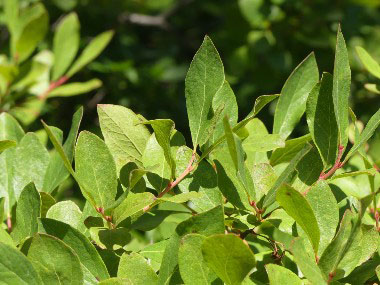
{"x":100,"y":210}
{"x":338,"y":164}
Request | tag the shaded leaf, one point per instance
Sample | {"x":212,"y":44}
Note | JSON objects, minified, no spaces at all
{"x":4,"y":144}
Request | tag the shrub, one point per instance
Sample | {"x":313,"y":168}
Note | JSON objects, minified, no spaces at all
{"x":252,"y":207}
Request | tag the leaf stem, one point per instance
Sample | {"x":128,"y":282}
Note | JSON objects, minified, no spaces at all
{"x":338,"y":164}
{"x":9,"y":224}
{"x":52,"y":86}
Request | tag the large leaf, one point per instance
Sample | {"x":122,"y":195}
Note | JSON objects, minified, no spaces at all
{"x":163,"y":129}
{"x":57,"y":172}
{"x":296,"y":205}
{"x":281,"y":275}
{"x":136,"y":270}
{"x":65,"y":44}
{"x":32,"y":26}
{"x":204,"y":78}
{"x":292,"y":102}
{"x":85,"y":250}
{"x":192,"y":266}
{"x":321,"y":120}
{"x":341,"y":87}
{"x":229,"y":257}
{"x":96,"y":169}
{"x":4,"y":144}
{"x":44,"y":251}
{"x":10,"y":129}
{"x":27,"y":213}
{"x":75,"y":88}
{"x":15,"y":268}
{"x":124,"y":135}
{"x":91,"y":51}
{"x":366,"y":134}
{"x":326,"y":211}
{"x":369,"y":63}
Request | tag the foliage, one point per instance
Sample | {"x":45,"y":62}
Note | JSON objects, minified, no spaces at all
{"x":29,"y":78}
{"x":227,"y":210}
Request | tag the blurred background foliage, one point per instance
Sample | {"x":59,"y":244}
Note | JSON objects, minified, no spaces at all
{"x":260,"y":42}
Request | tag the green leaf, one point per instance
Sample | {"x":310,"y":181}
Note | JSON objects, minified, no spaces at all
{"x":116,"y":281}
{"x":46,"y":202}
{"x":204,"y":78}
{"x":27,"y":213}
{"x":65,"y":44}
{"x":307,"y":263}
{"x":202,"y":180}
{"x":182,"y":198}
{"x":378,"y":271}
{"x":270,"y":198}
{"x":264,"y":177}
{"x":133,"y":204}
{"x":292,"y":102}
{"x":60,"y":161}
{"x":338,"y":248}
{"x":375,"y":88}
{"x":67,"y":212}
{"x":15,"y":268}
{"x":326,"y":211}
{"x":291,"y":148}
{"x":236,"y":152}
{"x":10,"y":129}
{"x":32,"y":26}
{"x":369,"y":63}
{"x":163,"y":129}
{"x":43,"y":252}
{"x":260,"y":103}
{"x":229,"y":257}
{"x":206,"y":223}
{"x":264,"y":143}
{"x":281,"y":275}
{"x":96,"y":169}
{"x":341,"y":87}
{"x":11,"y":15}
{"x":4,"y":144}
{"x":85,"y":250}
{"x":321,"y":120}
{"x":366,"y":134}
{"x":192,"y":266}
{"x":75,"y":88}
{"x":136,"y":270}
{"x":123,"y":133}
{"x":296,"y":205}
{"x":225,"y":97}
{"x":91,"y":51}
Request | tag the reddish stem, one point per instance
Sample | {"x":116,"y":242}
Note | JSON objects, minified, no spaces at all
{"x":338,"y":164}
{"x":52,"y":86}
{"x":9,"y":224}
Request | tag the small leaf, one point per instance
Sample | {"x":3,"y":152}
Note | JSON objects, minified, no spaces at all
{"x":32,"y":26}
{"x":228,"y":257}
{"x":204,"y":78}
{"x":136,"y":270}
{"x":369,"y":63}
{"x":292,"y":102}
{"x":65,"y":44}
{"x":133,"y":204}
{"x":366,"y":134}
{"x":43,"y":252}
{"x":162,"y":130}
{"x":341,"y":87}
{"x":192,"y":266}
{"x":75,"y":88}
{"x":15,"y":268}
{"x":67,"y":212}
{"x":270,"y":198}
{"x":296,"y":205}
{"x":291,"y":148}
{"x":85,"y":250}
{"x":123,"y":133}
{"x":281,"y":275}
{"x":10,"y":129}
{"x":326,"y":211}
{"x":321,"y":120}
{"x":96,"y":169}
{"x":27,"y":213}
{"x":4,"y":144}
{"x":91,"y":51}
{"x":182,"y":198}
